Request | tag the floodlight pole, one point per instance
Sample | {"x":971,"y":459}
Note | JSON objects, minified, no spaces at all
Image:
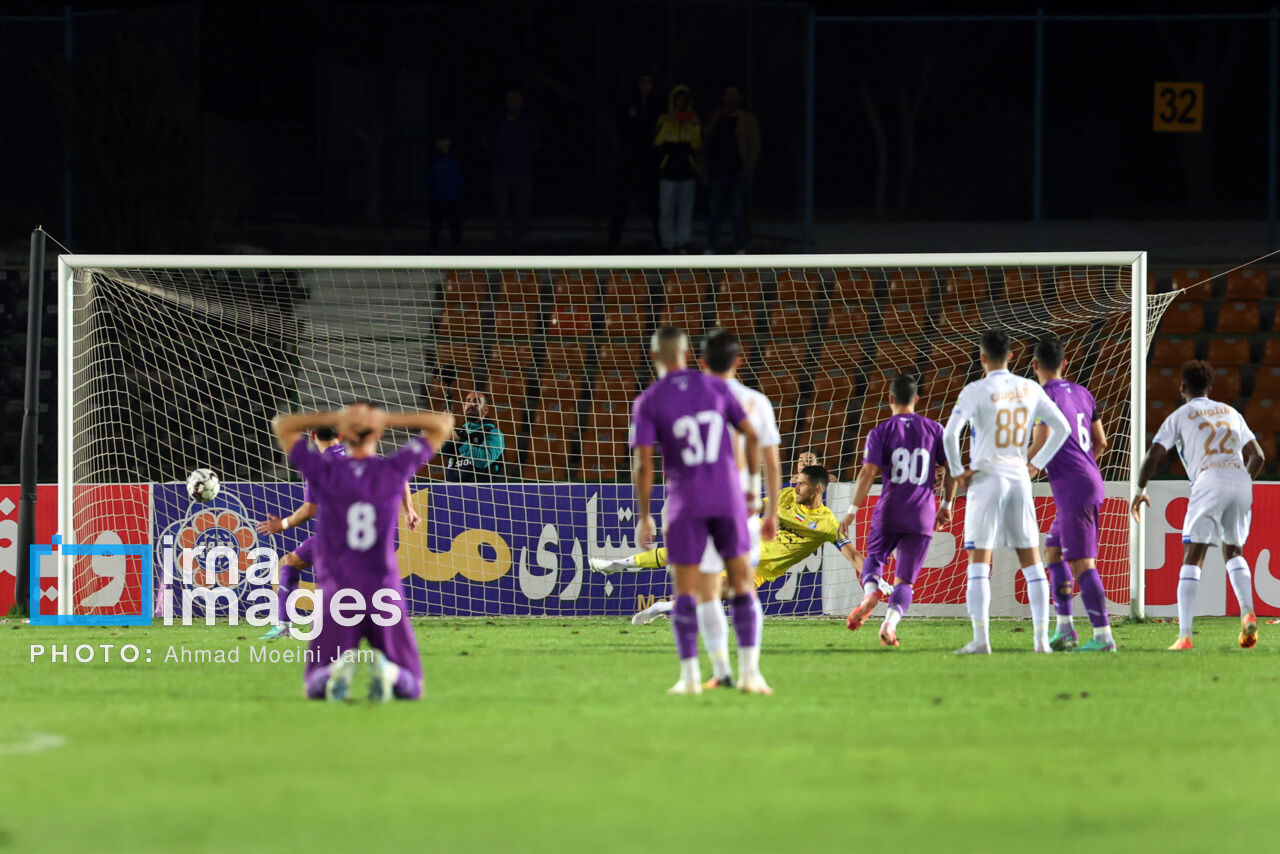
{"x":30,"y":424}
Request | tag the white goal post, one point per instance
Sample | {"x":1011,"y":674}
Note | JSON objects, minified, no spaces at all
{"x":820,"y":318}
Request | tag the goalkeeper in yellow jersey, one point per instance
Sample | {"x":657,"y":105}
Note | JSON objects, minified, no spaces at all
{"x":805,"y":525}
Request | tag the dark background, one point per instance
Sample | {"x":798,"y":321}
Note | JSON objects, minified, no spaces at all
{"x":197,"y":125}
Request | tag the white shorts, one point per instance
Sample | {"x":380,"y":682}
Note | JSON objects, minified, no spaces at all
{"x":1219,"y":511}
{"x":713,"y":564}
{"x":1000,"y":513}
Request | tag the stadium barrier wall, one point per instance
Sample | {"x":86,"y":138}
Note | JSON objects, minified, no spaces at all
{"x":484,"y":560}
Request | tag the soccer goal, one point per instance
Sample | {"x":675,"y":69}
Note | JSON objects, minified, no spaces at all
{"x":168,"y":364}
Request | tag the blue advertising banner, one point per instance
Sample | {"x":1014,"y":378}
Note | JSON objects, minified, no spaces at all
{"x":482,"y":549}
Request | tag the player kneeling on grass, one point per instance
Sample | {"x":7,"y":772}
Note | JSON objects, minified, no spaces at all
{"x":1071,"y":548}
{"x":291,"y":566}
{"x":906,"y":451}
{"x":355,"y":542}
{"x":1222,"y":457}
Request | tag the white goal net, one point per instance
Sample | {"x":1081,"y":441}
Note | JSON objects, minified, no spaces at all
{"x":173,"y":364}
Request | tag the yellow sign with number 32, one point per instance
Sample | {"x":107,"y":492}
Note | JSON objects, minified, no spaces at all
{"x":1179,"y":107}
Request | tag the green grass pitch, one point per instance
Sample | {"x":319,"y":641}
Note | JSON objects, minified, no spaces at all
{"x":556,"y":735}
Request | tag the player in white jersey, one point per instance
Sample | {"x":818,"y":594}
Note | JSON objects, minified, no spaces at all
{"x":1221,"y":457}
{"x":1000,"y":410}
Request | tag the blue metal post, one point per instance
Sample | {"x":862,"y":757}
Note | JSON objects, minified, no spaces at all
{"x":1037,"y":177}
{"x":809,"y":123}
{"x":1273,"y":105}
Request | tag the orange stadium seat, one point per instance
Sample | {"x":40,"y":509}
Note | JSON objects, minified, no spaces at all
{"x":1271,"y":353}
{"x":1079,"y":286}
{"x":877,"y":387}
{"x":737,"y":317}
{"x":953,"y":354}
{"x":1267,"y":441}
{"x":548,"y":457}
{"x":1229,"y":351}
{"x":1266,"y":383}
{"x":1239,"y":317}
{"x":508,"y":390}
{"x":1158,"y":411}
{"x":1249,"y":283}
{"x":1172,"y":351}
{"x":898,"y":358}
{"x":621,"y":358}
{"x":457,"y":322}
{"x":569,"y":319}
{"x":520,"y":287}
{"x":834,"y":383}
{"x":825,"y":427}
{"x":561,"y":384}
{"x":575,"y":287}
{"x":845,"y":354}
{"x":940,"y":388}
{"x":902,"y":321}
{"x":1226,"y":384}
{"x":519,"y":319}
{"x":1193,"y":284}
{"x":789,"y":356}
{"x":1164,"y":384}
{"x":791,"y":320}
{"x":609,"y":413}
{"x":571,"y":358}
{"x":1185,"y":318}
{"x":627,"y":287}
{"x":604,"y":454}
{"x":467,"y":288}
{"x":742,"y":286}
{"x":800,"y":286}
{"x":847,"y":318}
{"x":439,"y":398}
{"x":1023,"y":284}
{"x":462,"y":353}
{"x":698,"y":281}
{"x":965,"y":287}
{"x":1263,"y":415}
{"x":557,"y":413}
{"x":626,"y":319}
{"x":686,"y":297}
{"x":785,"y":414}
{"x":909,"y":287}
{"x":855,"y":287}
{"x":777,"y":385}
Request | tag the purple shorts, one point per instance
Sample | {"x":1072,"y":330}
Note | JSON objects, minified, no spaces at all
{"x":911,"y":549}
{"x":306,"y":550}
{"x":686,"y":539}
{"x":1075,"y":531}
{"x":397,"y":642}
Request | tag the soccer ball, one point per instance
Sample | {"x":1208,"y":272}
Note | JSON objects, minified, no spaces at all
{"x":202,"y":485}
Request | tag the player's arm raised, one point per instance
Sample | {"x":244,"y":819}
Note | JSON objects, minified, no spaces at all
{"x":274,"y":524}
{"x":290,"y":427}
{"x":435,"y":427}
{"x":861,"y":489}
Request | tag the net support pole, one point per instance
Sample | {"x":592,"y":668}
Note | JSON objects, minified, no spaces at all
{"x":30,"y":423}
{"x":1138,"y":436}
{"x":66,"y":314}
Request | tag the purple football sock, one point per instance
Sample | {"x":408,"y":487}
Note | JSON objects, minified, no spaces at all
{"x":1095,"y":598}
{"x":900,"y":598}
{"x":289,"y":578}
{"x":1063,"y":587}
{"x":746,"y":619}
{"x":316,"y":681}
{"x":684,"y":625}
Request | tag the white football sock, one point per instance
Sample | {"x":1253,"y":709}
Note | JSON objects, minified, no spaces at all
{"x":1188,"y":587}
{"x":1038,"y":595}
{"x":978,"y":599}
{"x":1241,"y":582}
{"x":715,"y":634}
{"x":690,"y":672}
{"x":662,"y":606}
{"x":1103,"y":633}
{"x":891,"y":619}
{"x":1065,"y":621}
{"x":870,"y":587}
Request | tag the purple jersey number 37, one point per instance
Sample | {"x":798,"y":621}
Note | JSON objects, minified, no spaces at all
{"x":689,"y":428}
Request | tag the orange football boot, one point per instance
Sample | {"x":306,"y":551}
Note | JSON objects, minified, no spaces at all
{"x":1181,"y":643}
{"x":859,"y":615}
{"x":1248,"y":631}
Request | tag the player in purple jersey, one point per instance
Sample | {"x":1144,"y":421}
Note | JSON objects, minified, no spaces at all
{"x":1071,"y":548}
{"x":905,"y":451}
{"x":355,"y":545}
{"x":327,"y":442}
{"x":688,"y":414}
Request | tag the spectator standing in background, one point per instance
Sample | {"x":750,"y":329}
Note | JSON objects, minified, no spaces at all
{"x":444,"y":191}
{"x":475,"y":454}
{"x":511,"y":137}
{"x":678,"y":139}
{"x":636,"y":179}
{"x":733,"y":150}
